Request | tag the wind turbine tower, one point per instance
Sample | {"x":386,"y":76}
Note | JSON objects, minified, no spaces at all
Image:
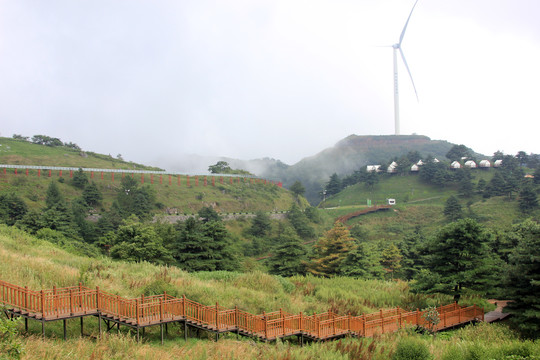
{"x":397,"y":47}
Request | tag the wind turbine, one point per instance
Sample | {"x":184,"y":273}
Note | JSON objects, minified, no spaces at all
{"x":397,"y":47}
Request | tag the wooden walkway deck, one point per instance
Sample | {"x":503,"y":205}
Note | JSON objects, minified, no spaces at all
{"x":79,"y":301}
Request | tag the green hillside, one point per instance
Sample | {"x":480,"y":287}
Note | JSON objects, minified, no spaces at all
{"x":420,"y":205}
{"x":39,"y":264}
{"x":354,"y":153}
{"x":243,"y":196}
{"x":20,"y":152}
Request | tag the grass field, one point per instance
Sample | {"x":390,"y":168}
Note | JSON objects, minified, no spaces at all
{"x":39,"y":264}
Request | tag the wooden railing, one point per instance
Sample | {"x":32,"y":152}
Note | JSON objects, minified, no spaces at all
{"x":78,"y":301}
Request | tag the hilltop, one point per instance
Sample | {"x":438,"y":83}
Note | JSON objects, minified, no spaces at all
{"x":354,"y":153}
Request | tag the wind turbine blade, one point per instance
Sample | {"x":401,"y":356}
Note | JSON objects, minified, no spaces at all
{"x":407,"y":23}
{"x":409,"y":71}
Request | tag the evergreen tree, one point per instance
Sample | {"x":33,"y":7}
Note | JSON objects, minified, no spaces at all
{"x":452,"y":209}
{"x":204,"y":247}
{"x":300,"y":222}
{"x":412,"y":248}
{"x":289,"y":255}
{"x":12,"y":208}
{"x":138,"y":242}
{"x":481,"y":186}
{"x":207,"y":214}
{"x":496,"y":186}
{"x":91,"y":194}
{"x":522,"y":284}
{"x":331,"y":250}
{"x":53,"y":196}
{"x":528,"y":199}
{"x":362,"y":262}
{"x":79,"y":179}
{"x":536,"y":175}
{"x":334,"y":185}
{"x":260,"y":225}
{"x":298,"y":189}
{"x":459,"y":258}
{"x":457,"y":152}
{"x":391,"y":259}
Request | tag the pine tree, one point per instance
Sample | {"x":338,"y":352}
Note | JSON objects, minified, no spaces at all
{"x":91,"y":194}
{"x":363,"y":262}
{"x":528,"y":200}
{"x":79,"y":179}
{"x":331,"y":250}
{"x":289,"y":256}
{"x":391,"y":259}
{"x":458,"y":258}
{"x":522,"y":284}
{"x":53,"y":196}
{"x":204,"y":247}
{"x":452,"y":209}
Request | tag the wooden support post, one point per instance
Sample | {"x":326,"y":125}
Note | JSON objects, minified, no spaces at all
{"x":137,"y":312}
{"x":82,"y":326}
{"x":185,"y":330}
{"x":217,"y":316}
{"x":65,"y":329}
{"x":161,"y":328}
{"x":161,"y":310}
{"x":444,"y":319}
{"x":118,"y":327}
{"x":70,"y":302}
{"x":99,"y":325}
{"x":43,"y":329}
{"x":184,"y":305}
{"x":265,"y":326}
{"x":138,"y":336}
{"x":364,"y":325}
{"x":42,"y":305}
{"x":26,"y":324}
{"x":282,"y":321}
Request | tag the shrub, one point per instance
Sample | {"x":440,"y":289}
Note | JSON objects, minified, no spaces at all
{"x":10,"y":344}
{"x":411,"y":349}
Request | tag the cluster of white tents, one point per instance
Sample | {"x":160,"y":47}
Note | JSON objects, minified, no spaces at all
{"x":392,"y":168}
{"x":485,"y":164}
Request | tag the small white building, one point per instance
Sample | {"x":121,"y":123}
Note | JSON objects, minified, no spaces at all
{"x":497,"y":163}
{"x":372,"y":168}
{"x":455,"y":165}
{"x":436,"y":160}
{"x":470,"y":164}
{"x":420,"y":163}
{"x":485,"y":164}
{"x":414,"y":168}
{"x":391,"y":201}
{"x":391,"y":169}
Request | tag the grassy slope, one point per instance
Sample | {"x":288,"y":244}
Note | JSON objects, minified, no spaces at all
{"x":418,"y":205}
{"x":224,"y":197}
{"x":39,"y":264}
{"x":19,"y":152}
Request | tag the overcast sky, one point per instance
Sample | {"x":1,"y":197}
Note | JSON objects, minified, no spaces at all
{"x":280,"y":79}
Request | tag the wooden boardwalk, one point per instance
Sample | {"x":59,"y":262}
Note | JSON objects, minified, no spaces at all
{"x":79,"y":302}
